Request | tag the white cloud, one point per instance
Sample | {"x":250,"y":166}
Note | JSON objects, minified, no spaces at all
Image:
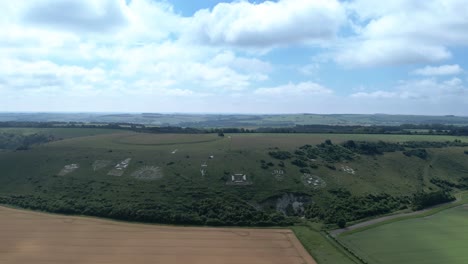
{"x":375,"y":95}
{"x":88,"y":50}
{"x":269,"y":23}
{"x":439,"y":70}
{"x":77,"y":15}
{"x":25,"y":78}
{"x":113,"y":53}
{"x":309,"y":69}
{"x":403,"y":32}
{"x":228,"y":58}
{"x":303,"y":89}
{"x":372,"y":52}
{"x":424,"y":89}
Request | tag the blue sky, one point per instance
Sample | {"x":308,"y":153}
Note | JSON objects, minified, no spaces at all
{"x":283,"y":56}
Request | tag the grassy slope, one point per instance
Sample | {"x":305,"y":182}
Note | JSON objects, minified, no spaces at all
{"x":439,"y":238}
{"x":392,"y":172}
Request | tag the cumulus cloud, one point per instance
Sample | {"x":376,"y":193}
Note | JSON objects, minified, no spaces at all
{"x":25,"y":77}
{"x":241,"y":63}
{"x":118,"y":50}
{"x":439,"y":70}
{"x":424,"y":89}
{"x":373,"y":52}
{"x":303,"y":89}
{"x":375,"y":95}
{"x":77,"y":15}
{"x":269,"y":23}
{"x":403,"y":32}
{"x":53,"y":46}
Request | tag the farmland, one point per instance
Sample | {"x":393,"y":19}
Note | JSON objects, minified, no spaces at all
{"x":58,"y":132}
{"x":234,"y":120}
{"x":439,"y":238}
{"x":29,"y":237}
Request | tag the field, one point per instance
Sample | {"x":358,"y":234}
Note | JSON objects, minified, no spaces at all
{"x":439,"y":238}
{"x":30,"y":237}
{"x":235,"y":120}
{"x":323,"y":249}
{"x":60,"y":132}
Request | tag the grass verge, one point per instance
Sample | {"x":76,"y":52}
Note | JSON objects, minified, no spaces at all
{"x":322,"y":248}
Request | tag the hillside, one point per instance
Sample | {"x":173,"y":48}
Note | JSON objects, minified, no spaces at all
{"x":238,"y":179}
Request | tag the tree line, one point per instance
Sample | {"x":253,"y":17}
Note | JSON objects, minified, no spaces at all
{"x":407,"y":129}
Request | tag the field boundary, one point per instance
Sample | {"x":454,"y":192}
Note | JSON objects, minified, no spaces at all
{"x":461,"y":199}
{"x":345,"y":248}
{"x":328,"y":241}
{"x":117,"y":141}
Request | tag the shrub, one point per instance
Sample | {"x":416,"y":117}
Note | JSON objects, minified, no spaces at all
{"x":341,"y":223}
{"x":299,"y":163}
{"x":281,"y":155}
{"x":420,"y":153}
{"x":423,"y":200}
{"x":372,"y":148}
{"x":299,"y":153}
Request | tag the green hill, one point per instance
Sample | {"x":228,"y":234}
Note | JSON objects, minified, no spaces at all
{"x":238,"y":179}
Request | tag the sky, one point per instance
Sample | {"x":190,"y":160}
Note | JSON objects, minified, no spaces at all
{"x":209,"y":56}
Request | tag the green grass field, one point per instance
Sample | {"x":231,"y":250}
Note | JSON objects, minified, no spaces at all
{"x":60,"y":132}
{"x":439,"y":238}
{"x":323,"y":249}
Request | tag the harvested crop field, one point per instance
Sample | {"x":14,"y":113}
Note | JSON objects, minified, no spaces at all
{"x":31,"y":237}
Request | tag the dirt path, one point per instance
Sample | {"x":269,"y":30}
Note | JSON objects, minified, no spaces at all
{"x":337,"y":232}
{"x":32,"y":237}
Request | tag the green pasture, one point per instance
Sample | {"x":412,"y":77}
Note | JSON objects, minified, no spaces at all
{"x":60,"y":132}
{"x":322,"y":248}
{"x":438,"y":238}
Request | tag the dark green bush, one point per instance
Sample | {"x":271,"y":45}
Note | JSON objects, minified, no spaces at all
{"x":281,"y":155}
{"x":420,"y":153}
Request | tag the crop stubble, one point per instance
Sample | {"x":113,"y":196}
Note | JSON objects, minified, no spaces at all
{"x":31,"y":237}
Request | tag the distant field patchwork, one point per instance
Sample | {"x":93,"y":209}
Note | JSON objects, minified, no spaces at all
{"x":29,"y":237}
